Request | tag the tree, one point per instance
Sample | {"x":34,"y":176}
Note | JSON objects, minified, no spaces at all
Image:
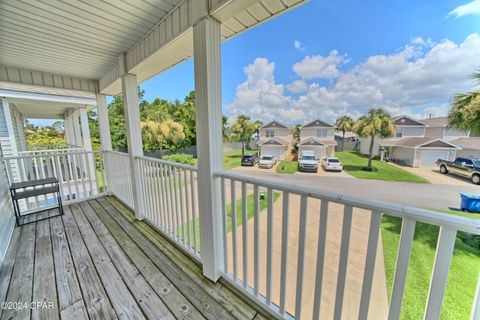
{"x":224,"y":127}
{"x":344,"y":124}
{"x":377,"y":122}
{"x":243,"y":128}
{"x":159,"y":132}
{"x":296,"y":131}
{"x":465,"y":112}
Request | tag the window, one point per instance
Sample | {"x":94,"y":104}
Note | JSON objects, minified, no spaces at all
{"x":270,"y":133}
{"x":399,"y":133}
{"x":321,"y":133}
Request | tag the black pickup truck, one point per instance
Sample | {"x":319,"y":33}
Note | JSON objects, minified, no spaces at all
{"x":465,"y":167}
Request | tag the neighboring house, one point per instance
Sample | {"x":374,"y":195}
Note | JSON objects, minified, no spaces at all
{"x":419,"y":143}
{"x":318,"y":136}
{"x":275,"y":139}
{"x":351,"y":141}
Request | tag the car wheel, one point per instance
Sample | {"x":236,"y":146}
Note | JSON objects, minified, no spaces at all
{"x":476,"y":178}
{"x":443,"y":169}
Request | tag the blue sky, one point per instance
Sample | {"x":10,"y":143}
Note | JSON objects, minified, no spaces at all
{"x":329,"y":58}
{"x":356,"y":31}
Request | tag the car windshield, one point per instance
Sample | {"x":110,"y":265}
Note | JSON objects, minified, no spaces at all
{"x":333,"y":160}
{"x":267,"y":158}
{"x":308,"y":158}
{"x":476,"y":163}
{"x":248,"y":156}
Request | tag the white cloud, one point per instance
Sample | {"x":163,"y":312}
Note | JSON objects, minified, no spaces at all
{"x":298,"y":45}
{"x":319,"y":67}
{"x":471,"y":8}
{"x":297,"y":86}
{"x":417,"y":80}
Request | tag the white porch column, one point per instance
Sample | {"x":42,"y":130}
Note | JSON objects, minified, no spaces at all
{"x":11,"y":134}
{"x":87,"y":145}
{"x":134,"y":138}
{"x":103,"y":122}
{"x":76,"y":129}
{"x":206,"y":46}
{"x":67,"y":126}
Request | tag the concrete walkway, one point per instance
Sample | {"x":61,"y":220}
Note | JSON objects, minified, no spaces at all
{"x":356,"y":260}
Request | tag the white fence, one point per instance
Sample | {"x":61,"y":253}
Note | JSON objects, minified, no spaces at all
{"x":257,"y":251}
{"x":81,"y":174}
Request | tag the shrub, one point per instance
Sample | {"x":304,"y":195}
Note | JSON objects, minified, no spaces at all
{"x":374,"y":169}
{"x":181,"y":158}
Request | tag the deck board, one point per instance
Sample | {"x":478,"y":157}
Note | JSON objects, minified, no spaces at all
{"x":98,"y":257}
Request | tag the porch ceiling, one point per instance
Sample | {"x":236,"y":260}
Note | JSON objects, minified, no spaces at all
{"x":44,"y":109}
{"x":76,"y":38}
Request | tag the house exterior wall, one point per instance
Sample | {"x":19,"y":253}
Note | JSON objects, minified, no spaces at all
{"x":312,"y":132}
{"x":401,"y":153}
{"x":469,"y":153}
{"x":320,"y":151}
{"x":278,"y":132}
{"x":451,"y":134}
{"x":6,"y":213}
{"x":365,"y":145}
{"x":412,"y":131}
{"x":280,"y":152}
{"x":434,"y":132}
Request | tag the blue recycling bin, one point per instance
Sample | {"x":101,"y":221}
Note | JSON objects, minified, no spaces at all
{"x":470,"y":202}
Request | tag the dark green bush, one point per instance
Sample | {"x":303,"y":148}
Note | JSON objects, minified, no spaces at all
{"x":181,"y":158}
{"x":374,"y":169}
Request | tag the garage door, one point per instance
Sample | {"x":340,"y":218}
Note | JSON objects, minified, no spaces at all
{"x":276,"y":151}
{"x":428,"y":157}
{"x":319,"y":151}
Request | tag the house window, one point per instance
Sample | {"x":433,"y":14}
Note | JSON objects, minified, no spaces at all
{"x":321,"y":133}
{"x":399,"y":133}
{"x":270,"y":133}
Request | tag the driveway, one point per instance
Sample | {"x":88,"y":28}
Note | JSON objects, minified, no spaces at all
{"x":421,"y":195}
{"x":434,"y":176}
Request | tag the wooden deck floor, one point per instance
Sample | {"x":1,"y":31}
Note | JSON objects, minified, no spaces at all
{"x":98,"y":262}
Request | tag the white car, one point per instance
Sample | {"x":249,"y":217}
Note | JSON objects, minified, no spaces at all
{"x":267,"y":162}
{"x":332,"y":164}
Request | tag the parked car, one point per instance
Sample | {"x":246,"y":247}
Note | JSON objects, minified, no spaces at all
{"x":465,"y":167}
{"x":267,"y":162}
{"x":332,"y":164}
{"x":249,"y":160}
{"x":308,"y":161}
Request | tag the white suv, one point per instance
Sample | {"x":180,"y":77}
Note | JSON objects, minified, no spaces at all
{"x":308,"y":161}
{"x":332,"y":164}
{"x":267,"y":162}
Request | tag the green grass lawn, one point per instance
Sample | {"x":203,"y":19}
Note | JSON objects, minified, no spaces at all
{"x":289,"y":167}
{"x":462,"y":278}
{"x":262,"y":206}
{"x":353,"y":163}
{"x":233,"y":159}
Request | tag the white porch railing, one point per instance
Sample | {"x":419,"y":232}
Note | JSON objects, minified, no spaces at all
{"x":272,"y":257}
{"x":252,"y":247}
{"x":49,"y":151}
{"x":119,"y":178}
{"x":81,"y":174}
{"x":170,"y":200}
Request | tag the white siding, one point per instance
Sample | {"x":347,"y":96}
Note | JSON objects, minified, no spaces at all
{"x":312,"y":132}
{"x":469,"y":153}
{"x":320,"y":151}
{"x":413,"y":132}
{"x":278,"y":132}
{"x":365,"y":145}
{"x":434,"y":132}
{"x":6,"y":213}
{"x":406,"y":154}
{"x":451,"y":134}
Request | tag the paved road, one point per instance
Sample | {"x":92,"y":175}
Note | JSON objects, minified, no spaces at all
{"x":428,"y":196}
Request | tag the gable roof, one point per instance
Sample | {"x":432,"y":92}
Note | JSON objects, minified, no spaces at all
{"x":318,"y":123}
{"x":316,"y":141}
{"x":407,"y":121}
{"x":418,"y":142}
{"x":436,"y":122}
{"x":274,"y":124}
{"x":467,"y":143}
{"x":274,"y":141}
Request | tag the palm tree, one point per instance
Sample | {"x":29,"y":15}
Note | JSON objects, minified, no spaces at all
{"x":377,"y":122}
{"x":465,"y":112}
{"x":243,"y":127}
{"x":344,"y":124}
{"x":161,"y":131}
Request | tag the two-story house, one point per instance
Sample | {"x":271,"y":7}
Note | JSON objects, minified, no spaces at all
{"x":419,"y":143}
{"x":275,"y":139}
{"x":318,"y":136}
